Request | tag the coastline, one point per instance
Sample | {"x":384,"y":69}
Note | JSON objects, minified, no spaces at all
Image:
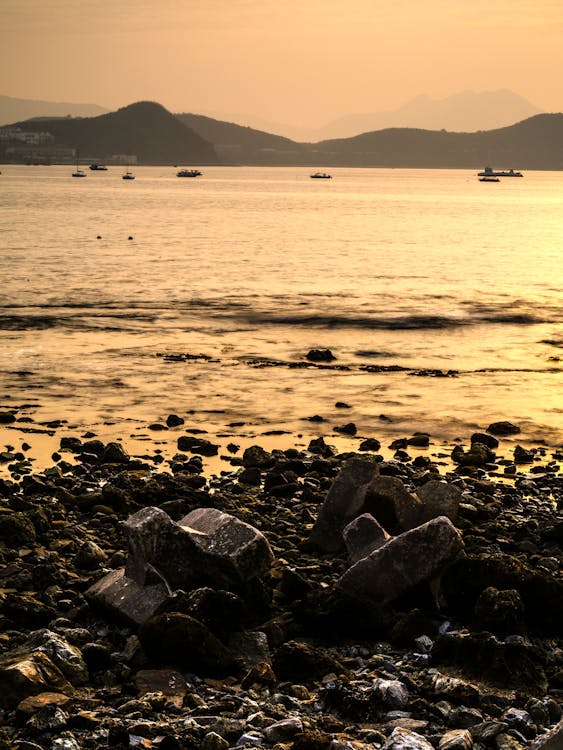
{"x":317,"y":671}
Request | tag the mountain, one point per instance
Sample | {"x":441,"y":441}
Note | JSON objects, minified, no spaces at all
{"x":535,"y":143}
{"x":13,"y":110}
{"x":238,"y":144}
{"x":145,"y":129}
{"x":465,"y":111}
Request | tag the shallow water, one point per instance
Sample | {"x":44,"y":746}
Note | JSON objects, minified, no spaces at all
{"x":422,"y":269}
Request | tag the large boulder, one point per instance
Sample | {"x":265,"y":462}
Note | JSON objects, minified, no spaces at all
{"x":438,"y":499}
{"x":22,"y":675}
{"x":126,"y":599}
{"x":417,"y":555}
{"x":363,"y":536}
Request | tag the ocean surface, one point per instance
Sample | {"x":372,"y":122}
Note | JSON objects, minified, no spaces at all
{"x":440,"y":297}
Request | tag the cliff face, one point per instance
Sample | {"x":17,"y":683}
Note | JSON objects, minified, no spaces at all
{"x":145,"y":129}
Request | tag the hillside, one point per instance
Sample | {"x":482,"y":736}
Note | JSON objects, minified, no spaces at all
{"x":13,"y":109}
{"x":535,"y":143}
{"x":145,"y":129}
{"x":243,"y":145}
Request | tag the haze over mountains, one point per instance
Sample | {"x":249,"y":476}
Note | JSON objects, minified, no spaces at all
{"x":465,"y":111}
{"x":155,"y":136}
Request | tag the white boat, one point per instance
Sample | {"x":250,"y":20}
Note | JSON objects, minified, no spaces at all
{"x":98,"y":167}
{"x":490,"y":172}
{"x":128,"y":175}
{"x":188,"y":173}
{"x":321,"y":176}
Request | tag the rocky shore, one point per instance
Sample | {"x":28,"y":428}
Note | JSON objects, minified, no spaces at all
{"x":300,"y":600}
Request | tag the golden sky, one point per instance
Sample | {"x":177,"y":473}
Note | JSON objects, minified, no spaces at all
{"x":303,"y":62}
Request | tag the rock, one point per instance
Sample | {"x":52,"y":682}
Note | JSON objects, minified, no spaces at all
{"x":214,"y":741}
{"x":7,"y":417}
{"x":115,"y":453}
{"x":346,"y":429}
{"x":16,"y":528}
{"x":249,"y":649}
{"x":369,"y":444}
{"x":508,"y":664}
{"x":320,"y":355}
{"x":320,"y":448}
{"x":169,"y":682}
{"x":66,"y":657}
{"x":34,"y":703}
{"x":298,"y":661}
{"x":503,"y":429}
{"x":173,"y":420}
{"x":392,"y":693}
{"x":405,"y":739}
{"x":29,"y":675}
{"x":439,"y":499}
{"x":419,"y":440}
{"x":260,"y":674}
{"x":198,"y":445}
{"x":500,"y":612}
{"x":552,"y":740}
{"x":221,"y":611}
{"x":344,"y":501}
{"x":205,"y":545}
{"x":523,"y":456}
{"x":180,"y":640}
{"x":362,"y":536}
{"x":414,"y":556}
{"x":125,"y":598}
{"x":478,"y":455}
{"x":255,"y":456}
{"x":89,"y":556}
{"x":388,"y":500}
{"x":283,"y":730}
{"x":456,"y":739}
{"x":484,"y":439}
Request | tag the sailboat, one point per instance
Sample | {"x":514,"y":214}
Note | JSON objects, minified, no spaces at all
{"x":128,"y":175}
{"x":79,"y":172}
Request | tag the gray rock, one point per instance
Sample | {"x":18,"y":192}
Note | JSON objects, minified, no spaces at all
{"x":362,"y":536}
{"x":405,"y":739}
{"x":343,"y":503}
{"x":214,"y":741}
{"x":393,"y":693}
{"x":249,"y":648}
{"x":283,"y":730}
{"x":125,"y":598}
{"x":417,"y":555}
{"x":439,"y":499}
{"x":66,"y":657}
{"x":392,"y":504}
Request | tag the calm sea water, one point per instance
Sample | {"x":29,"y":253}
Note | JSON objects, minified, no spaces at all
{"x":246,"y":269}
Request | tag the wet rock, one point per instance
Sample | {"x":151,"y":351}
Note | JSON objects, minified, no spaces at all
{"x":484,"y":439}
{"x":180,"y":640}
{"x":7,"y":417}
{"x":256,"y":456}
{"x":320,"y":355}
{"x":503,"y":428}
{"x":173,"y":420}
{"x":523,"y":456}
{"x":89,"y":556}
{"x":115,"y":453}
{"x":392,"y":693}
{"x":283,"y":730}
{"x":369,"y":444}
{"x":65,"y":656}
{"x":16,"y":528}
{"x":478,"y":455}
{"x":214,"y":741}
{"x":500,"y":612}
{"x":34,"y":703}
{"x":221,"y":611}
{"x":416,"y":555}
{"x":320,"y":448}
{"x":346,"y":429}
{"x":362,"y":536}
{"x":419,"y":440}
{"x":198,"y":445}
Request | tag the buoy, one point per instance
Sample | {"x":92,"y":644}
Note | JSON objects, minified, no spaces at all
{"x":99,"y":237}
{"x":130,"y":237}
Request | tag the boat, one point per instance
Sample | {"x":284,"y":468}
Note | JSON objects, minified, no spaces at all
{"x":78,"y":172}
{"x":321,"y":176}
{"x":98,"y":168}
{"x":490,"y":172}
{"x":128,"y":175}
{"x":489,"y":179}
{"x":188,"y":173}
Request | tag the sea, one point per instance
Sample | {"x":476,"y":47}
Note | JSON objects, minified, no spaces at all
{"x":121,"y":302}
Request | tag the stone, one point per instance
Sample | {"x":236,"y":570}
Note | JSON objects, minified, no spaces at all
{"x":392,"y":693}
{"x":299,"y":661}
{"x":16,"y":528}
{"x":214,"y":741}
{"x":456,"y":739}
{"x":406,"y":739}
{"x":283,"y":730}
{"x":438,"y":499}
{"x":406,"y":560}
{"x":362,"y":536}
{"x":551,"y":740}
{"x":29,"y":675}
{"x":89,"y":556}
{"x":503,"y":429}
{"x":484,"y":439}
{"x":175,"y":639}
{"x":65,"y":656}
{"x":115,"y":453}
{"x":523,"y":456}
{"x":388,"y":500}
{"x":221,"y":611}
{"x":169,"y":682}
{"x":125,"y":598}
{"x":173,"y":420}
{"x":256,"y":457}
{"x":343,"y":503}
{"x":249,"y":648}
{"x":320,"y":355}
{"x":34,"y":703}
{"x":500,"y":612}
{"x":478,"y":455}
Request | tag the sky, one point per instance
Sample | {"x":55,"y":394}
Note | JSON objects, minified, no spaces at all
{"x":303,"y":62}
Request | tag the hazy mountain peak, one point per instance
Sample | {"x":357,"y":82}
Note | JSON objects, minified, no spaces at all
{"x":13,"y":109}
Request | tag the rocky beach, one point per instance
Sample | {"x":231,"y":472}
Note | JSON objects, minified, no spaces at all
{"x":298,"y":599}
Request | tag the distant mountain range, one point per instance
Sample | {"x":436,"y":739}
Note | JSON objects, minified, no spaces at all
{"x":465,"y":111}
{"x":156,"y":136}
{"x":14,"y":110}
